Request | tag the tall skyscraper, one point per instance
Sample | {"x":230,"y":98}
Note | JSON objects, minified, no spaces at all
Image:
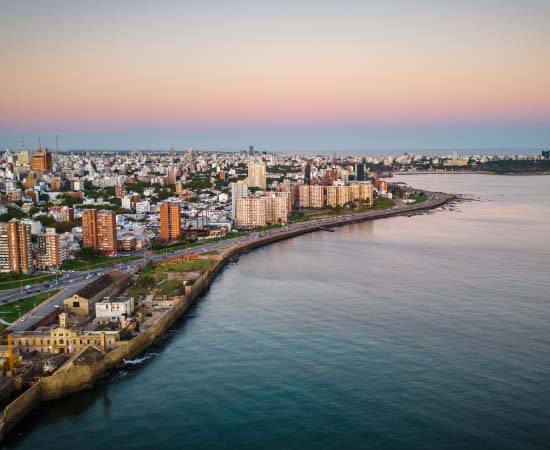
{"x":256,"y":174}
{"x":15,"y":247}
{"x":170,"y":221}
{"x":238,"y":190}
{"x":99,"y":231}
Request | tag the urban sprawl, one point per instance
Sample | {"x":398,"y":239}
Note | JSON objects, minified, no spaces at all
{"x":161,"y":220}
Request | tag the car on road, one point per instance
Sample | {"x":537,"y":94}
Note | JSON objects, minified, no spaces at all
{"x":23,"y":319}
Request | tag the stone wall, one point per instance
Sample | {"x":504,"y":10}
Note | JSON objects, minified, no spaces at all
{"x":19,"y":408}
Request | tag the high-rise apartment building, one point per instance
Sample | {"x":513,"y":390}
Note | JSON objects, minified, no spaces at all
{"x":238,"y":190}
{"x":50,"y":251}
{"x":270,"y":209}
{"x":280,"y":207}
{"x":251,"y":212}
{"x":338,"y":195}
{"x":89,"y":228}
{"x":311,"y":196}
{"x":303,"y":196}
{"x":316,"y":196}
{"x":363,"y":192}
{"x":170,"y":221}
{"x":42,"y":161}
{"x":99,"y":231}
{"x":66,"y":214}
{"x":15,"y":247}
{"x":257,"y":175}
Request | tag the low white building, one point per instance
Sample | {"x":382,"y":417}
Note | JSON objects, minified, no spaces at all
{"x":142,"y":207}
{"x":114,"y":309}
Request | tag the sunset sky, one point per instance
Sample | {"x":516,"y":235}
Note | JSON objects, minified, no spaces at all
{"x":283,"y":75}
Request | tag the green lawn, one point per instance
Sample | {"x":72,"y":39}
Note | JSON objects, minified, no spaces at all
{"x":12,"y":311}
{"x":96,"y":262}
{"x":13,"y":280}
{"x":382,"y":203}
{"x":421,"y":198}
{"x":154,"y":280}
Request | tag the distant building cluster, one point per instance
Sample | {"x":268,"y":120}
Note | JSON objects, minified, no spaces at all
{"x":54,"y":204}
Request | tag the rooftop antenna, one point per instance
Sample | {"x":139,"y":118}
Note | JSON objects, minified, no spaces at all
{"x":39,"y":143}
{"x":56,"y":148}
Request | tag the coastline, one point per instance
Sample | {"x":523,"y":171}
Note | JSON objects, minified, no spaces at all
{"x":82,"y":370}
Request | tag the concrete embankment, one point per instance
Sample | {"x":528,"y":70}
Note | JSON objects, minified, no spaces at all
{"x":76,"y":376}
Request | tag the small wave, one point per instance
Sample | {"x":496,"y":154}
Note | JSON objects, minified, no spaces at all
{"x":137,"y":361}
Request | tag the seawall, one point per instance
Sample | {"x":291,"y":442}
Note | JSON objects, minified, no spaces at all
{"x":74,"y":376}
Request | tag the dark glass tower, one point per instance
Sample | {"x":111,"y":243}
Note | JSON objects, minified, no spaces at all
{"x":360,"y":173}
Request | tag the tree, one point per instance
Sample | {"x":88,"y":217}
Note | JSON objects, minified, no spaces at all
{"x":146,"y":281}
{"x":46,"y":221}
{"x":126,"y":334}
{"x":86,"y":252}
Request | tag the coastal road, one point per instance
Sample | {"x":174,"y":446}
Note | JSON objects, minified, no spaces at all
{"x":72,"y":282}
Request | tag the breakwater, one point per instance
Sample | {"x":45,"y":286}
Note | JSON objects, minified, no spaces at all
{"x":74,"y":376}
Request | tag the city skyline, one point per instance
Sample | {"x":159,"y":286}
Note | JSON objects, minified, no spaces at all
{"x":351,"y":76}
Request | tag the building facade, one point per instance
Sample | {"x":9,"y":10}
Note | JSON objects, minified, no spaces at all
{"x":99,"y":231}
{"x":50,"y":250}
{"x":238,"y":190}
{"x":15,"y":247}
{"x":257,"y":174}
{"x":170,"y":221}
{"x":113,"y":309}
{"x":42,"y":161}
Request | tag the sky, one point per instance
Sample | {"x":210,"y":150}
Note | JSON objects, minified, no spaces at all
{"x":280,"y":75}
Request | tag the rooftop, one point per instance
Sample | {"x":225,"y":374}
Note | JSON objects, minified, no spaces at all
{"x":90,"y":355}
{"x":114,"y":300}
{"x":95,"y":287}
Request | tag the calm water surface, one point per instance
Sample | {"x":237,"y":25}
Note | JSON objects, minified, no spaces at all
{"x":428,"y":332}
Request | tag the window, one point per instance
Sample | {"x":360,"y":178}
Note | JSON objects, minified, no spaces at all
{"x":61,"y":341}
{"x":76,"y":304}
